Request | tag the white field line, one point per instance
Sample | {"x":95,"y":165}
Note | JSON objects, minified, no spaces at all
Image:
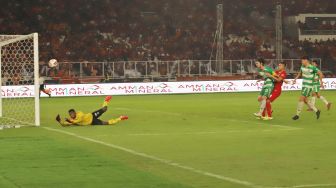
{"x":167,"y":162}
{"x":228,"y":119}
{"x":171,"y":163}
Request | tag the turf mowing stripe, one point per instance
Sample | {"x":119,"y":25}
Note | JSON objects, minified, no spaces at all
{"x":307,"y":186}
{"x":200,"y":133}
{"x":170,"y":163}
{"x":234,"y":120}
{"x":314,"y":185}
{"x":6,"y":182}
{"x":228,"y":179}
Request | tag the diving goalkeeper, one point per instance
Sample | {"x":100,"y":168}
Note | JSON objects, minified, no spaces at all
{"x":80,"y":119}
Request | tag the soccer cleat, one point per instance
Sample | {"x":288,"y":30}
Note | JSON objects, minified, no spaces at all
{"x":266,"y":118}
{"x":257,"y":114}
{"x":123,"y":117}
{"x":49,"y":95}
{"x":108,"y":98}
{"x":296,"y":117}
{"x":328,"y":106}
{"x":318,"y":113}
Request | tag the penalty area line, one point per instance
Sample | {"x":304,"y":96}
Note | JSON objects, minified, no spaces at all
{"x":174,"y":164}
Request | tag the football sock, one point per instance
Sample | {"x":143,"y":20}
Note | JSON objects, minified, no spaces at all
{"x":299,"y":107}
{"x":324,"y":100}
{"x":269,"y":108}
{"x":262,"y":105}
{"x":312,"y":101}
{"x":264,"y":112}
{"x":114,"y":121}
{"x":312,"y":106}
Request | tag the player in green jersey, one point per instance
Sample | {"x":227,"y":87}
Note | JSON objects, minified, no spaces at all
{"x":318,"y":83}
{"x":267,"y":87}
{"x":307,"y":72}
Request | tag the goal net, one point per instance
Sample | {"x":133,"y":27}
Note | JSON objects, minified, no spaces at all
{"x":19,"y":81}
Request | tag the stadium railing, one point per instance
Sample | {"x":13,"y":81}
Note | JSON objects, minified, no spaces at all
{"x":151,"y":71}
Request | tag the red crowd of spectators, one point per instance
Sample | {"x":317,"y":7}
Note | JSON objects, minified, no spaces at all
{"x":110,"y":30}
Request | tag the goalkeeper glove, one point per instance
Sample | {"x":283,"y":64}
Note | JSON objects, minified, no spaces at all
{"x":58,"y":118}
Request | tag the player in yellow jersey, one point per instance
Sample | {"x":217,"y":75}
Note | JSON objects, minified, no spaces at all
{"x":80,"y":119}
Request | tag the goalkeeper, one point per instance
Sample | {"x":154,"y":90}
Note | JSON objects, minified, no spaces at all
{"x":80,"y":119}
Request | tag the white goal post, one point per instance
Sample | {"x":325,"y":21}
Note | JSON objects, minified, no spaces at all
{"x":19,"y":81}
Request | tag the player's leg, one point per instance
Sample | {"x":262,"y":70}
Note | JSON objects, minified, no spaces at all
{"x":98,"y":113}
{"x":324,"y":100}
{"x":116,"y":120}
{"x":96,"y":121}
{"x":259,"y":100}
{"x":263,"y":115}
{"x":47,"y":91}
{"x":264,"y":94}
{"x":305,"y":93}
{"x":311,"y":103}
{"x":41,"y":89}
{"x":316,"y":90}
{"x":107,"y":100}
{"x":275,"y":94}
{"x":44,"y":90}
{"x":269,"y":109}
{"x":312,"y":100}
{"x":299,"y":107}
{"x":265,"y":110}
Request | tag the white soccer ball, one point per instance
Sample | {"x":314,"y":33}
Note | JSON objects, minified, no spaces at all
{"x":53,"y":63}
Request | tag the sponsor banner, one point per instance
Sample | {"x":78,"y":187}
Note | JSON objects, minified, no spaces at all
{"x":17,"y":91}
{"x":151,"y":88}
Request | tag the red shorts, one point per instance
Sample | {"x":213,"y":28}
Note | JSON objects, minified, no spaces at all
{"x":275,"y":94}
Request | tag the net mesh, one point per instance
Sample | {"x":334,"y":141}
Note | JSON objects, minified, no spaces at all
{"x":17,"y":80}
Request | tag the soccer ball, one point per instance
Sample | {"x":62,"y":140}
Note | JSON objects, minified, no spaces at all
{"x":53,"y":63}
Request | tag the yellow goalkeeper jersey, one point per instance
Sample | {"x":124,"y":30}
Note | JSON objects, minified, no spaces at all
{"x":82,"y":119}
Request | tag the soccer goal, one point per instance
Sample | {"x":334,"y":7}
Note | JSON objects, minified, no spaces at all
{"x":19,"y":81}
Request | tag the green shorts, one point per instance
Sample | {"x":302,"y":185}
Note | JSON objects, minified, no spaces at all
{"x":316,"y":88}
{"x":306,"y":91}
{"x":266,"y":91}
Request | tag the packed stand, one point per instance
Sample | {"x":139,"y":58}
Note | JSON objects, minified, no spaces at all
{"x":142,"y":30}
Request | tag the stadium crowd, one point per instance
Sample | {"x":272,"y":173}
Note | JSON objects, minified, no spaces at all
{"x":142,"y":30}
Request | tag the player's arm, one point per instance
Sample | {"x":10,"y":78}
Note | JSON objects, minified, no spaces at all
{"x":77,"y":120}
{"x":274,"y":76}
{"x":269,"y":73}
{"x":63,"y":123}
{"x":297,"y":76}
{"x":286,"y":81}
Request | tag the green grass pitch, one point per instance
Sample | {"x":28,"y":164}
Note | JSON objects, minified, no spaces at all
{"x":202,"y":140}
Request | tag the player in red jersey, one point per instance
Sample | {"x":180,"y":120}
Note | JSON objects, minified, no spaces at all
{"x":279,"y":78}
